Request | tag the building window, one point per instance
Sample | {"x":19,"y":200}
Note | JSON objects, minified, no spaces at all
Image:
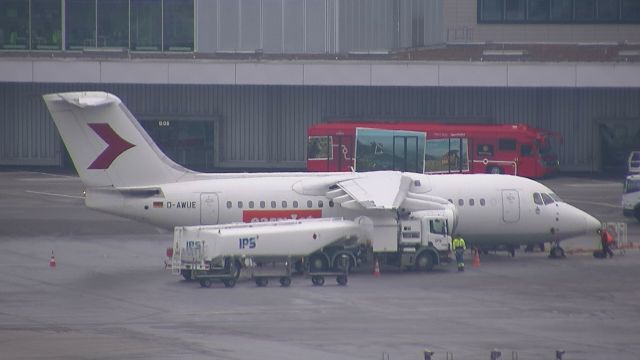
{"x":585,"y":10}
{"x":80,"y":24}
{"x":146,"y":25}
{"x":491,"y":10}
{"x":608,"y":10}
{"x":559,"y":11}
{"x":515,"y":10}
{"x":630,"y":11}
{"x":113,"y":23}
{"x":14,"y":24}
{"x":538,"y":10}
{"x":46,"y":25}
{"x":178,"y":25}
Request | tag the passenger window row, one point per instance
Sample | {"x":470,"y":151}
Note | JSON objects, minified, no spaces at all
{"x":274,"y":204}
{"x":470,"y":202}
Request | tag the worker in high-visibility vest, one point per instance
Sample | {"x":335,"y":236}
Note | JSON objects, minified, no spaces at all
{"x":459,"y":247}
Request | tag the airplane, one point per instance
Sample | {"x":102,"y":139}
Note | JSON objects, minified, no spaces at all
{"x":126,"y":174}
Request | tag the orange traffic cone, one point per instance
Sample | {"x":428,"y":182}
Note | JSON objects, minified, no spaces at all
{"x":52,"y":261}
{"x":476,"y":258}
{"x":376,"y":269}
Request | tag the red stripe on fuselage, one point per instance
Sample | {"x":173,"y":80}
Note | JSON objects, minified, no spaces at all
{"x":279,"y":215}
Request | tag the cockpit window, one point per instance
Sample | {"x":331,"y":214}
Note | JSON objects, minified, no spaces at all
{"x":537,"y":199}
{"x":547,"y":199}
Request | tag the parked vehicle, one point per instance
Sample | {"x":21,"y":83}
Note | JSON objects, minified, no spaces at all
{"x":432,"y":148}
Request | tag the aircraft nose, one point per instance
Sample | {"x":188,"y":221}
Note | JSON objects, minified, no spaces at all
{"x":592,"y":224}
{"x":577,"y":222}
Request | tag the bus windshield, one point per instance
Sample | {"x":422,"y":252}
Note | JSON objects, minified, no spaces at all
{"x":547,"y":145}
{"x":631,"y":185}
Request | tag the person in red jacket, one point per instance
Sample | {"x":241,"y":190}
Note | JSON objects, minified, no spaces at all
{"x":606,"y":240}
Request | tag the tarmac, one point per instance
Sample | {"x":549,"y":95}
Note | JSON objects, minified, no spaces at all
{"x":109,"y":296}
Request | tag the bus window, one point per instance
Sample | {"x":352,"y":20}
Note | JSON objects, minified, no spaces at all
{"x":507,"y":144}
{"x":485,"y":150}
{"x":526,"y":149}
{"x":318,"y":148}
{"x":537,"y":199}
{"x":631,"y":185}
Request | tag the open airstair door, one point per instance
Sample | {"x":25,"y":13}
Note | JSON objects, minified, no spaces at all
{"x":510,"y":206}
{"x":209,"y":208}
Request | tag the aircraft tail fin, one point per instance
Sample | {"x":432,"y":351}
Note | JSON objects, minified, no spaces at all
{"x":107,"y":144}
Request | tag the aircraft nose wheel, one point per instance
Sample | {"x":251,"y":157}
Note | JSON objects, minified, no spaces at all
{"x":556,"y":252}
{"x":341,"y":280}
{"x":317,"y":280}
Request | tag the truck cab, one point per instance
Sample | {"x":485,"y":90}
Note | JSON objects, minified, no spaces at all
{"x":631,"y":197}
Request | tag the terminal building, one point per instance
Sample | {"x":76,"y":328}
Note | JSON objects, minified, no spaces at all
{"x":233,"y":85}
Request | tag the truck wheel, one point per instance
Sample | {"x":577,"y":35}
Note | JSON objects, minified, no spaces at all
{"x":229,"y":283}
{"x":424,"y":262}
{"x":341,"y":260}
{"x":317,"y":280}
{"x":262,"y":282}
{"x":341,"y":280}
{"x":318,"y":262}
{"x":186,"y":274}
{"x":238,"y":266}
{"x":285,"y":281}
{"x":206,"y":283}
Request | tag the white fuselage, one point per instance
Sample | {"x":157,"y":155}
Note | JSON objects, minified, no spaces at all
{"x":491,"y":209}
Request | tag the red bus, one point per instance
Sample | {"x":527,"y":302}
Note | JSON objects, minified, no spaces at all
{"x":432,"y":148}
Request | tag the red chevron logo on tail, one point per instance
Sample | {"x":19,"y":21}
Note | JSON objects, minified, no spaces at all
{"x":115,"y":146}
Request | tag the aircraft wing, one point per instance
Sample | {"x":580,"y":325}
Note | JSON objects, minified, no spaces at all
{"x":378,"y":190}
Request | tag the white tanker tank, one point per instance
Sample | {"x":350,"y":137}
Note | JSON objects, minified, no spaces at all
{"x":219,"y":251}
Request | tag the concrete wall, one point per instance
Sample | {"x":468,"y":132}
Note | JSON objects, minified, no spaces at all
{"x":265,"y":126}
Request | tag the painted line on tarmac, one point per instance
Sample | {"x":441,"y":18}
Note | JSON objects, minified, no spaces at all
{"x":54,"y":194}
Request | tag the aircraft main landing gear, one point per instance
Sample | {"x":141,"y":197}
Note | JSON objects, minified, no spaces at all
{"x":556,"y":251}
